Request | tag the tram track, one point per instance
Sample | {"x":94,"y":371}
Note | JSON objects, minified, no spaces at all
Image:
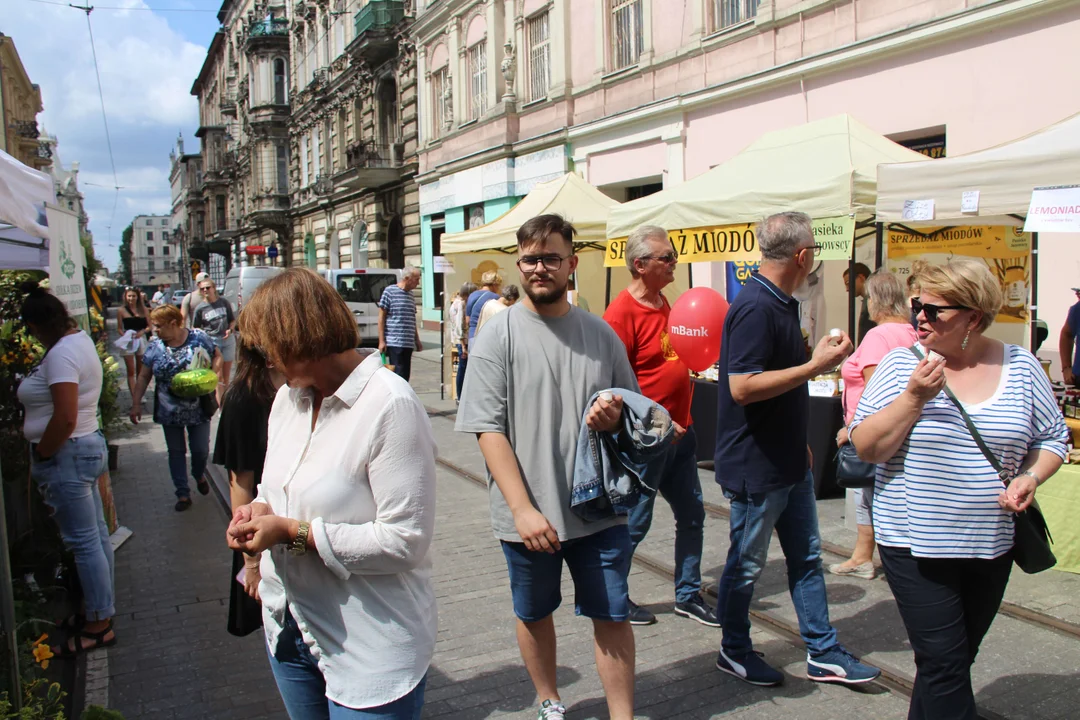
{"x":891,"y":679}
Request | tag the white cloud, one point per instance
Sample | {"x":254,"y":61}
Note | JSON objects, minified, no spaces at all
{"x":147,"y":69}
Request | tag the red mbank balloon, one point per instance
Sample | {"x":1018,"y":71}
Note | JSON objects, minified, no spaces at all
{"x":695,"y":326}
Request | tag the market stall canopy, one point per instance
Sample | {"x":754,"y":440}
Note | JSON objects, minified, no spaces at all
{"x":570,"y":196}
{"x":826,"y":169}
{"x":21,"y":251}
{"x":23,"y":194}
{"x":1004,"y":177}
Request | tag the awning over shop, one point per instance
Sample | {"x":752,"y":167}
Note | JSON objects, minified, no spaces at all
{"x":826,"y":169}
{"x":570,"y":196}
{"x":1004,"y":175}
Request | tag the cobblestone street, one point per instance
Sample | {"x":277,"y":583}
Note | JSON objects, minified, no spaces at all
{"x":175,"y":659}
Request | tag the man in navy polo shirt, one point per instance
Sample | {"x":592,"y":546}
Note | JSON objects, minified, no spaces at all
{"x":763,"y":462}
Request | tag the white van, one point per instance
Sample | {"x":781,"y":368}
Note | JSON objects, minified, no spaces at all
{"x":361,"y":289}
{"x":241,"y":282}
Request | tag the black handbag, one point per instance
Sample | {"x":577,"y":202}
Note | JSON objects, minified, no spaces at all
{"x":208,"y":404}
{"x":852,"y":472}
{"x":1031,"y":546}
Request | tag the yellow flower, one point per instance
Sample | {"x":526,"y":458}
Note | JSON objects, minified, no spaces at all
{"x":42,"y":653}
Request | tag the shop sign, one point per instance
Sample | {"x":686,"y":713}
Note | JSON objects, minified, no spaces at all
{"x":1005,"y":250}
{"x":255,"y":250}
{"x":729,"y":243}
{"x":440,"y":264}
{"x":1054,"y":209}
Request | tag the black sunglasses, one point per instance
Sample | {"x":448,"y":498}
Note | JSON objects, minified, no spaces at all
{"x":931,"y":311}
{"x":668,"y":258}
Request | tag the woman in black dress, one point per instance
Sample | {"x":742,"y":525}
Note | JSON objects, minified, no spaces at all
{"x":133,"y":316}
{"x":241,"y":449}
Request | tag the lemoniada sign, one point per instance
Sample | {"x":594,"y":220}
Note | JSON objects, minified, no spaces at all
{"x":1054,"y":209}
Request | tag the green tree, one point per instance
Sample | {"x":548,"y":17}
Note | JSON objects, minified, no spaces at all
{"x":125,"y":253}
{"x":92,"y":263}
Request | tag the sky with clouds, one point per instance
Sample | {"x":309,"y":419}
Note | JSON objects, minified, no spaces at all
{"x":149,"y":54}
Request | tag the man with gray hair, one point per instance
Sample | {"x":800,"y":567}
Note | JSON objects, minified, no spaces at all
{"x":763,"y":462}
{"x":398,"y":334}
{"x":639,"y":316}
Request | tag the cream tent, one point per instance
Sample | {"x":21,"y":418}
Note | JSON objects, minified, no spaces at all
{"x":1004,"y":175}
{"x":570,"y":196}
{"x":826,"y":168}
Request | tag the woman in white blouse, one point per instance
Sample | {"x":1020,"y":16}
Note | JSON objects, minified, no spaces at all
{"x":346,"y":513}
{"x":943,"y":519}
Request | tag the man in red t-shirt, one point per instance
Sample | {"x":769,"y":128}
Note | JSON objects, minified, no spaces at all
{"x":639,"y":316}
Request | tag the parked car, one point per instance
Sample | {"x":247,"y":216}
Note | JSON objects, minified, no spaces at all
{"x":178,"y":297}
{"x":361,"y":289}
{"x":241,"y":282}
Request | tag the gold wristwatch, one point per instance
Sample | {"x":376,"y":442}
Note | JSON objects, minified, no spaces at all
{"x":298,"y":546}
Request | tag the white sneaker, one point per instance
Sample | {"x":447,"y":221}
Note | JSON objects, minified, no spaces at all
{"x":551,"y":710}
{"x":866,"y":571}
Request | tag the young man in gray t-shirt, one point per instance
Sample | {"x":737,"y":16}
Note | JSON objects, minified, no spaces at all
{"x":531,"y":374}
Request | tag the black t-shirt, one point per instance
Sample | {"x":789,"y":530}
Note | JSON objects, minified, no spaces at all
{"x":761,"y":446}
{"x":242,"y":431}
{"x":214,"y":317}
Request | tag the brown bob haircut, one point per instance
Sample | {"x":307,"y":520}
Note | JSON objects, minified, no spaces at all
{"x":542,"y":227}
{"x":297,"y":316}
{"x":165,"y":314}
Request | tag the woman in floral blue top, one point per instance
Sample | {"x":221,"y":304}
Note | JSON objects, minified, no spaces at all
{"x":174,"y":350}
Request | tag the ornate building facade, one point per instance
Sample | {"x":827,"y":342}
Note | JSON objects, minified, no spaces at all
{"x":243,"y":92}
{"x":188,"y":211}
{"x":66,"y":183}
{"x":20,"y":102}
{"x":353,"y":135}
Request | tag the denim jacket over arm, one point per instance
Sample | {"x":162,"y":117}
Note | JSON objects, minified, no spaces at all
{"x":611,"y":469}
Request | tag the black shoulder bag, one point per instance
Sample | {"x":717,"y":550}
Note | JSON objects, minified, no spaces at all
{"x":852,"y":472}
{"x":1031,"y":549}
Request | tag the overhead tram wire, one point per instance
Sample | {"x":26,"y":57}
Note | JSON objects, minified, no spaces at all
{"x":104,"y":117}
{"x":116,"y":7}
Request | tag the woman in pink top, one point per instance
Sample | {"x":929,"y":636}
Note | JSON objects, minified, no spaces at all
{"x":887,"y":302}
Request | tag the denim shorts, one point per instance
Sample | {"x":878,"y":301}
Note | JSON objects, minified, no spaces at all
{"x":599,"y":565}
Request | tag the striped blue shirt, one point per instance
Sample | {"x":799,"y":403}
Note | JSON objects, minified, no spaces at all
{"x":938,"y":494}
{"x":400,"y":317}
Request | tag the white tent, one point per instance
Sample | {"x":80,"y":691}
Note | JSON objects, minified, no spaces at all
{"x":826,"y":168}
{"x":570,"y":196}
{"x":23,"y":194}
{"x":1004,"y":175}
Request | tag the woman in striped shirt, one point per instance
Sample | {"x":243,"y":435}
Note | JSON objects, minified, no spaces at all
{"x":943,"y":519}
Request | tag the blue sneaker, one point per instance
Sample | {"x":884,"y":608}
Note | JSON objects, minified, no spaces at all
{"x":839,"y":666}
{"x":749,"y":668}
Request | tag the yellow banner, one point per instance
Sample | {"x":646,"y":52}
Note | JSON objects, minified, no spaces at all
{"x":1005,"y":250}
{"x":739,"y":243}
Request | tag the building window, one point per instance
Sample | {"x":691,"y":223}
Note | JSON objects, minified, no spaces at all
{"x":301,"y":64}
{"x":316,"y":155}
{"x":220,"y":208}
{"x":326,"y":42}
{"x":538,"y":35}
{"x":440,"y":80}
{"x":476,"y":60}
{"x":150,"y":265}
{"x":282,"y":170}
{"x":164,"y":249}
{"x":339,"y":36}
{"x":304,"y":172}
{"x":150,"y":250}
{"x":626,"y":35}
{"x":342,"y":124}
{"x":165,"y":238}
{"x":149,"y":237}
{"x":279,"y":82}
{"x":732,"y":12}
{"x":164,"y":223}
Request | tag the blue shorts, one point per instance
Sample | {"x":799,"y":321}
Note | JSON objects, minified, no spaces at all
{"x":599,"y":564}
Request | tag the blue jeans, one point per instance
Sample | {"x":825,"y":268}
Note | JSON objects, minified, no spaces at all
{"x":303,"y":689}
{"x":792,"y":511}
{"x":462,"y":363}
{"x":199,"y":441}
{"x":68,"y":483}
{"x":677,"y":481}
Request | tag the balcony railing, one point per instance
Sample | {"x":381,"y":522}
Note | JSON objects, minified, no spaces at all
{"x":379,"y":15}
{"x":374,"y":155}
{"x":26,"y":129}
{"x":266,"y":28}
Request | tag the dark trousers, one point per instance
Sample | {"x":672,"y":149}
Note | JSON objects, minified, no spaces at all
{"x":401,"y":359}
{"x":947,"y":606}
{"x":462,"y":363}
